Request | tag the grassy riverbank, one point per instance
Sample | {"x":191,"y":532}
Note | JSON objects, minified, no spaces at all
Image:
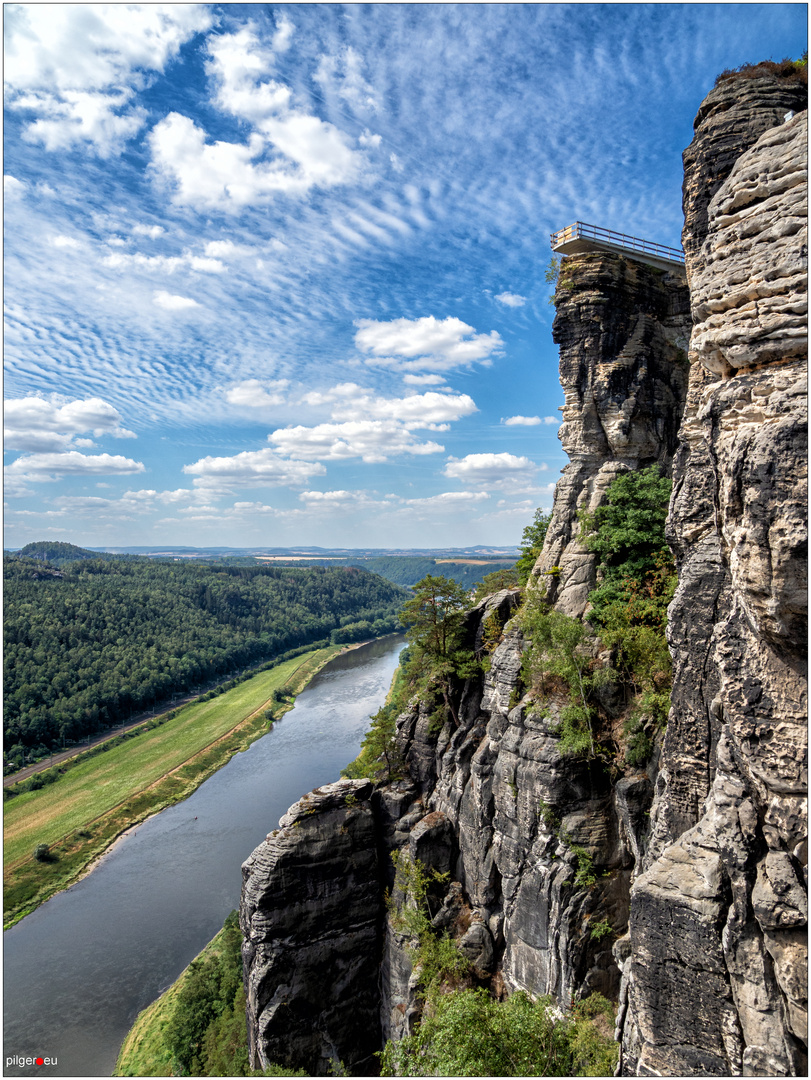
{"x":197,"y":1027}
{"x":147,"y":1049}
{"x":97,"y":800}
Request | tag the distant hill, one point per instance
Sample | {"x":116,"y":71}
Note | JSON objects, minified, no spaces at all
{"x":481,"y":551}
{"x":58,"y":553}
{"x":409,"y":569}
{"x":400,"y":566}
{"x":55,"y":552}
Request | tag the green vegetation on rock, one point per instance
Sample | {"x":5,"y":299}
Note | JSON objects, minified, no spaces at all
{"x":559,"y":653}
{"x":464,"y":1030}
{"x":435,"y":621}
{"x":531,"y":545}
{"x":197,"y":1027}
{"x":627,"y":613}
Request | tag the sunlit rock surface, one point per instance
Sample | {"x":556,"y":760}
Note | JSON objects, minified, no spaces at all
{"x":715,"y":975}
{"x":623,"y":329}
{"x":697,"y":863}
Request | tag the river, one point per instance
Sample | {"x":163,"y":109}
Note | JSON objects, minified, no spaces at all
{"x":79,"y":969}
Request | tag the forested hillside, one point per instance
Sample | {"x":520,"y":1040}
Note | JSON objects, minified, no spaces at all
{"x":409,"y":569}
{"x":57,"y":553}
{"x":93,"y":642}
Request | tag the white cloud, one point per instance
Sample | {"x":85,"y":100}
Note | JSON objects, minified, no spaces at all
{"x":415,"y":411}
{"x":336,"y":393}
{"x":78,"y":66}
{"x":284,"y":33}
{"x":227,"y":249}
{"x":36,"y":467}
{"x":65,"y":242}
{"x":423,"y":380}
{"x":254,"y":468}
{"x":13,"y":188}
{"x":342,"y":76}
{"x":385,"y":431}
{"x":341,"y":500}
{"x":172,"y":302}
{"x":166,"y":264}
{"x":40,"y":424}
{"x":449,"y":500}
{"x":218,"y":174}
{"x":371,"y":440}
{"x":529,"y":421}
{"x":368,"y":139}
{"x":521,"y":421}
{"x":145,"y":499}
{"x":288,"y":150}
{"x":152,"y":231}
{"x":511,"y":299}
{"x":428,"y":342}
{"x":253,"y":394}
{"x":253,"y":508}
{"x":82,"y":504}
{"x":491,"y":469}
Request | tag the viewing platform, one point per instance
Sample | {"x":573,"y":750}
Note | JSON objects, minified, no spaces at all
{"x":578,"y":238}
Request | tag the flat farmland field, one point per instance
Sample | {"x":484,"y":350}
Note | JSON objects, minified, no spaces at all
{"x":83,"y":812}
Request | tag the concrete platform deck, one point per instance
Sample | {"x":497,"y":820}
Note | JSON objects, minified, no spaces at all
{"x":580,"y":237}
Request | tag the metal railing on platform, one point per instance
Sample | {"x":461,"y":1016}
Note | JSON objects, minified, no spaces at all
{"x":581,"y":231}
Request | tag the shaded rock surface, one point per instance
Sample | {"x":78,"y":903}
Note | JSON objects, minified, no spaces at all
{"x":715,"y":971}
{"x":310,"y":917}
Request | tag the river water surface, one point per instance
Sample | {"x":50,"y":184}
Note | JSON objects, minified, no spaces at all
{"x":79,"y":969}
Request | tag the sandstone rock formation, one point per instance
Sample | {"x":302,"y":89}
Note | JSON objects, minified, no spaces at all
{"x":623,"y":329}
{"x":697,"y":863}
{"x":730,"y":119}
{"x":310,"y":920}
{"x":715,"y":976}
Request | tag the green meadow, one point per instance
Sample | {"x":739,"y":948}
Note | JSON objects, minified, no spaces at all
{"x":96,"y":800}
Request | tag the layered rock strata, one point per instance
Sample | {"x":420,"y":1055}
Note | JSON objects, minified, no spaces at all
{"x":715,"y":975}
{"x":623,"y":329}
{"x":730,"y":120}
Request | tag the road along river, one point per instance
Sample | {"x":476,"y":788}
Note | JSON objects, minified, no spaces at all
{"x":79,"y":969}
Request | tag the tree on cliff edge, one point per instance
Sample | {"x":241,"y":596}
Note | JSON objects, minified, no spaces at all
{"x":435,"y":618}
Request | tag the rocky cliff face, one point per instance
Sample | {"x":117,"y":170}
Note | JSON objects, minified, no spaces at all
{"x":623,"y":330}
{"x":715,"y":980}
{"x":697,"y":863}
{"x":537,"y":847}
{"x":310,"y":920}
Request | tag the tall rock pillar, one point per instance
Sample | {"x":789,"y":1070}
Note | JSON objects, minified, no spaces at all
{"x":623,"y":329}
{"x":311,"y":918}
{"x":715,"y":980}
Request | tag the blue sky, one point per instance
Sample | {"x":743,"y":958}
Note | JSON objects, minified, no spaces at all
{"x":274,"y":275}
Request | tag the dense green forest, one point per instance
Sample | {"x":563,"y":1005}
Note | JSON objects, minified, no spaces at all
{"x":58,"y":553}
{"x":409,"y":569}
{"x":91,"y":643}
